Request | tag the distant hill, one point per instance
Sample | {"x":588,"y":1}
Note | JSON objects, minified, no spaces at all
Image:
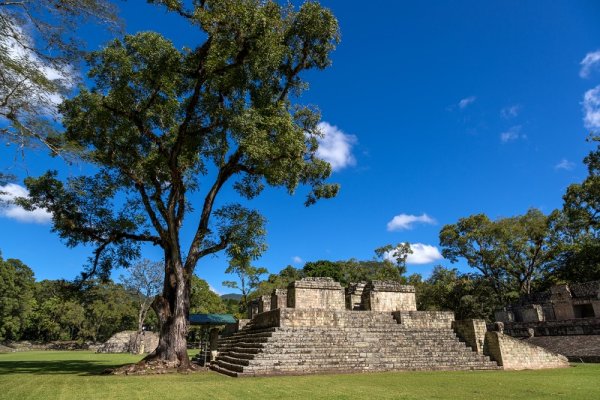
{"x":231,"y":296}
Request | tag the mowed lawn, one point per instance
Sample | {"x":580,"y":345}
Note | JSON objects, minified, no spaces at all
{"x":76,"y":375}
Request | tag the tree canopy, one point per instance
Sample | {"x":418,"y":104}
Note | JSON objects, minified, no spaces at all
{"x":580,"y":229}
{"x":511,"y":252}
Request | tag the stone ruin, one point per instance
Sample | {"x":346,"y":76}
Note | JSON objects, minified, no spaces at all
{"x":130,"y":342}
{"x":317,"y":326}
{"x":565,"y":319}
{"x":560,"y":303}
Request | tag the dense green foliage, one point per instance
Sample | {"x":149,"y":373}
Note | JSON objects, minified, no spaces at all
{"x":468,"y":295}
{"x":75,"y":375}
{"x":512,"y":253}
{"x":580,"y":229}
{"x":16,"y":298}
{"x":59,"y":310}
{"x":51,"y":310}
{"x":203,"y":300}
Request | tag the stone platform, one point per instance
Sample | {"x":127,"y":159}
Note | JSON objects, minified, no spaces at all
{"x":324,"y":328}
{"x":289,"y":341}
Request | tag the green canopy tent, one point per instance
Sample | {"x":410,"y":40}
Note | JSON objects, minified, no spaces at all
{"x":210,"y":322}
{"x":212,"y":319}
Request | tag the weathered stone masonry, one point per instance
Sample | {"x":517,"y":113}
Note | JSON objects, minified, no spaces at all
{"x":321,"y":331}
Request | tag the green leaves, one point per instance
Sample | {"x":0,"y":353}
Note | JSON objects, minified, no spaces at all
{"x":162,"y":123}
{"x":16,"y":298}
{"x":512,"y":252}
{"x":244,"y":231}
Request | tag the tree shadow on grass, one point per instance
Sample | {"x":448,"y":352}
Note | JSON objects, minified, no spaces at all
{"x":71,"y":367}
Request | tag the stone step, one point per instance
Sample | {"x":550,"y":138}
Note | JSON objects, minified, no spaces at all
{"x":328,"y":368}
{"x":364,"y":342}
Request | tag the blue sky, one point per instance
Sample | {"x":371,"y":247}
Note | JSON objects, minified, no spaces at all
{"x":434,"y":110}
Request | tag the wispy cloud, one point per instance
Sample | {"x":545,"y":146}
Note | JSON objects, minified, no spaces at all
{"x":510,"y":111}
{"x":10,"y":210}
{"x":591,"y":108}
{"x":212,"y":289}
{"x":421,"y":254}
{"x":406,"y":221}
{"x":565,"y":165}
{"x":297,"y":260}
{"x":589,"y":62}
{"x":464,"y":103}
{"x":513,"y":133}
{"x":335,"y":147}
{"x":18,"y":50}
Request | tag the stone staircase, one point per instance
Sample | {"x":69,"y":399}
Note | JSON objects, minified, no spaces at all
{"x":357,"y":342}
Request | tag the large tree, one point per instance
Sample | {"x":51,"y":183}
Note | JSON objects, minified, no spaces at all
{"x":39,"y":57}
{"x":166,"y":126}
{"x":513,"y":253}
{"x":580,"y":259}
{"x":16,"y":298}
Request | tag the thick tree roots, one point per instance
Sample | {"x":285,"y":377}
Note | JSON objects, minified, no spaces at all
{"x":153,"y":367}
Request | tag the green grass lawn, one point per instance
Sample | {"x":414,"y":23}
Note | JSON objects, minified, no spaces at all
{"x":75,"y":375}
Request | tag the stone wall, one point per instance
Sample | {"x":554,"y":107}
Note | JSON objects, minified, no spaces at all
{"x":318,"y":341}
{"x":472,"y":332}
{"x":318,"y":293}
{"x":425,"y":319}
{"x":313,"y":318}
{"x":561,"y":302}
{"x":252,"y":309}
{"x":532,"y":313}
{"x":580,"y":348}
{"x":279,"y":298}
{"x":130,"y":341}
{"x":583,"y":326}
{"x":264,"y":303}
{"x":354,"y":293}
{"x":514,"y":354}
{"x":388,"y":296}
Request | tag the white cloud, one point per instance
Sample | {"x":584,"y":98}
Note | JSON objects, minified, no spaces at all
{"x":212,"y":289}
{"x":510,"y":111}
{"x":565,"y":164}
{"x":297,"y":260}
{"x":512,"y":134}
{"x":591,"y":108}
{"x":406,"y":221}
{"x":464,"y":103}
{"x":13,"y":211}
{"x":589,"y":62}
{"x":335,"y":147}
{"x":421,"y":254}
{"x":18,"y":49}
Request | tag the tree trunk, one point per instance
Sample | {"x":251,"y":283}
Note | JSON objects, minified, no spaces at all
{"x":172,"y":309}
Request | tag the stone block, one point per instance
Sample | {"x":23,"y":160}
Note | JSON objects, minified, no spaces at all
{"x":596,"y":305}
{"x":504,"y":315}
{"x":264,"y":303}
{"x":279,"y":299}
{"x":319,"y":293}
{"x":425,"y":319}
{"x":252,"y":309}
{"x":472,"y":332}
{"x":388,"y":296}
{"x":354,"y":293}
{"x":514,"y":354}
{"x":563,"y":310}
{"x":532,"y":313}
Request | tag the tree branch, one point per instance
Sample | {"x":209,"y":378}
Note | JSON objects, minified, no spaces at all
{"x":230,"y":168}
